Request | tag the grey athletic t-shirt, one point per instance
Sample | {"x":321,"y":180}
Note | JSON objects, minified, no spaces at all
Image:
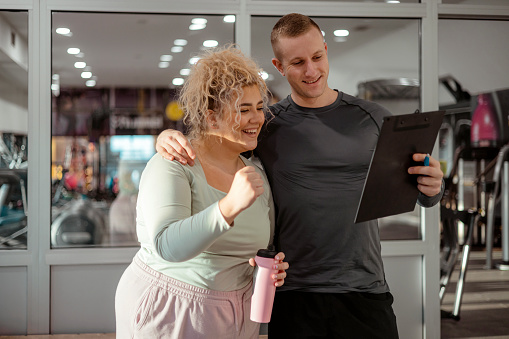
{"x":316,"y":160}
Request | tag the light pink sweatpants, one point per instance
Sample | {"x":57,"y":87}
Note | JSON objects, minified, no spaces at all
{"x":150,"y":305}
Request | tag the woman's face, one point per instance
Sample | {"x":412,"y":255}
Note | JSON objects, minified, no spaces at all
{"x":244,"y":136}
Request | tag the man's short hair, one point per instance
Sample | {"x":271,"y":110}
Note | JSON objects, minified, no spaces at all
{"x":290,"y":26}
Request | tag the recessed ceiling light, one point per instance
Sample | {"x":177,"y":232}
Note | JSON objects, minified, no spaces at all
{"x":196,"y":27}
{"x":210,"y":43}
{"x":178,"y":81}
{"x":180,"y":42}
{"x":166,"y":57}
{"x":55,"y":77}
{"x":264,"y":75}
{"x":193,"y":60}
{"x":164,"y":64}
{"x":177,"y":49}
{"x":86,"y":75}
{"x":63,"y":30}
{"x":55,"y":87}
{"x":229,"y":18}
{"x":199,"y":21}
{"x":80,"y":64}
{"x":185,"y":71}
{"x":392,"y":1}
{"x":73,"y":50}
{"x":341,"y":32}
{"x":90,"y":83}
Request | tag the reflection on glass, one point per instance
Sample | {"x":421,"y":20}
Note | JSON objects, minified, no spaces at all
{"x":475,"y":95}
{"x":13,"y":129}
{"x":393,"y":2}
{"x":376,"y":59}
{"x":476,"y":2}
{"x":111,"y":97}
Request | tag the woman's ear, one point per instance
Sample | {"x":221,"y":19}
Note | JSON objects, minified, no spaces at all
{"x":212,"y":119}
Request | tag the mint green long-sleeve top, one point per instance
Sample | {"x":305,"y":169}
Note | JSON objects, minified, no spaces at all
{"x":183,"y":233}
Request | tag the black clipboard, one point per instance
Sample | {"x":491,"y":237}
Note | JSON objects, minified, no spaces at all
{"x":389,"y":189}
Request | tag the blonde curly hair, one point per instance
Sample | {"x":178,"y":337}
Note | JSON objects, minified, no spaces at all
{"x":216,"y":83}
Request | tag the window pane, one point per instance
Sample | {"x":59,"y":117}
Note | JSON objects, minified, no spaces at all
{"x":13,"y":129}
{"x":111,"y":97}
{"x":481,"y":73}
{"x":378,"y":60}
{"x":476,"y":2}
{"x":387,"y":1}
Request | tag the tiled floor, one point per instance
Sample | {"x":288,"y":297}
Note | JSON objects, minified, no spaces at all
{"x":484,"y":311}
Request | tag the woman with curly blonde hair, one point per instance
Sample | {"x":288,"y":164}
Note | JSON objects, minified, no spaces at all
{"x":199,"y":227}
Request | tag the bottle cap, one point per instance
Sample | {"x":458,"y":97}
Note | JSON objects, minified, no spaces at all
{"x":269,"y":252}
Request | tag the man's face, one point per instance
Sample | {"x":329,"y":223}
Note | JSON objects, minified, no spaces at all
{"x":303,"y":61}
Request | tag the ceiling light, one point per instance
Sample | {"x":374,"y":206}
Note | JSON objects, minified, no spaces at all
{"x":177,"y":49}
{"x":73,"y":50}
{"x":164,"y":64}
{"x":180,"y":42}
{"x":185,"y":71}
{"x":392,"y":1}
{"x":86,"y":75}
{"x":63,"y":30}
{"x":199,"y":21}
{"x":166,"y":57}
{"x":229,"y":18}
{"x":194,"y":60}
{"x":178,"y":81}
{"x":55,"y":84}
{"x":341,"y":32}
{"x":210,"y":43}
{"x":80,"y":64}
{"x":90,"y":83}
{"x":264,"y":75}
{"x":196,"y":27}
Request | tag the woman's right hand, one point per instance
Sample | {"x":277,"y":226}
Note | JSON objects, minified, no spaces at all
{"x":247,"y":185}
{"x":173,"y":145}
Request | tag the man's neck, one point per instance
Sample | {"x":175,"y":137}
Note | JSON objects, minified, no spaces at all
{"x":327,"y":98}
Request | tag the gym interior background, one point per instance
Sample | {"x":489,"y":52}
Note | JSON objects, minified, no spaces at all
{"x":80,"y":109}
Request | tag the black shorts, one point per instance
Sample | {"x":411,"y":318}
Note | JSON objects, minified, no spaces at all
{"x":352,"y":315}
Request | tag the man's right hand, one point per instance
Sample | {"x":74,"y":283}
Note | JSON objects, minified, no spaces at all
{"x":173,"y":145}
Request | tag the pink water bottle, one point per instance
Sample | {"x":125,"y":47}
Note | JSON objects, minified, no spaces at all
{"x":264,"y":286}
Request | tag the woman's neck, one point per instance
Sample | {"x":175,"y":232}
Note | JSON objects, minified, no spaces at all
{"x":213,"y":153}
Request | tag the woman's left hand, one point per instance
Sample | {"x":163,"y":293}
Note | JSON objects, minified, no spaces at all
{"x":280,"y":266}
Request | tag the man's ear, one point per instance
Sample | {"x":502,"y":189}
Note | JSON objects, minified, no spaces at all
{"x":278,"y":65}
